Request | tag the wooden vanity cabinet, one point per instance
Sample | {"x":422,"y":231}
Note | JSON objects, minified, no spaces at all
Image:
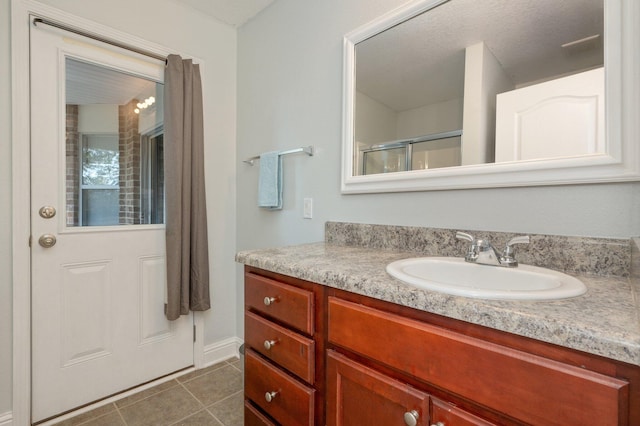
{"x":524,"y":386}
{"x":379,"y":363}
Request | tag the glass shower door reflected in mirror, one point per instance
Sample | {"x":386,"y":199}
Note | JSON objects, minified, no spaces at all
{"x":114,"y":146}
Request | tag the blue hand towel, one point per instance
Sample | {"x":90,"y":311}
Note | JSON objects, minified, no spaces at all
{"x":270,"y":181}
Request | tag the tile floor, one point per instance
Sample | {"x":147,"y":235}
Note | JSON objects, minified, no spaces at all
{"x":209,"y":397}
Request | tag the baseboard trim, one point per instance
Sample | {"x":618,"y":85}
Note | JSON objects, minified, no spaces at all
{"x":6,"y":419}
{"x":222,"y":351}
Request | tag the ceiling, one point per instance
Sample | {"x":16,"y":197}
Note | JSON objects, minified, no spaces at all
{"x":232,"y":12}
{"x":92,"y":84}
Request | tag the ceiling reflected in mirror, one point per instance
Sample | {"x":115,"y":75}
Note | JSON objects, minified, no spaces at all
{"x":445,"y":70}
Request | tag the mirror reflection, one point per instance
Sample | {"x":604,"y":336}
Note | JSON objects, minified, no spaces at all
{"x":470,"y":82}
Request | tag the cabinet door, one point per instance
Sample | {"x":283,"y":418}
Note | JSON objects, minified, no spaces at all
{"x":445,"y":414}
{"x":358,"y":395}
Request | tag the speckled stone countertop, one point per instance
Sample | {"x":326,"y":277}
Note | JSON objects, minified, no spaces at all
{"x":605,"y":321}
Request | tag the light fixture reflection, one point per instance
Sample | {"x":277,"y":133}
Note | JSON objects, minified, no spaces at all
{"x":143,"y":105}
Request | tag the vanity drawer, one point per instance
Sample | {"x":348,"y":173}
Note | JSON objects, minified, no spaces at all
{"x":253,"y":417}
{"x":293,"y":404}
{"x":288,"y":349}
{"x":526,"y":387}
{"x":283,"y":302}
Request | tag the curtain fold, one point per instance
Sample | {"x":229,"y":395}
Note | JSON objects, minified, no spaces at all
{"x":186,"y":218}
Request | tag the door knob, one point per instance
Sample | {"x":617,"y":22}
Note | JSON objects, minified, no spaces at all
{"x":47,"y":212}
{"x":47,"y":240}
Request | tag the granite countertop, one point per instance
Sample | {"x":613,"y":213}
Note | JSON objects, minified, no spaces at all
{"x":605,"y":321}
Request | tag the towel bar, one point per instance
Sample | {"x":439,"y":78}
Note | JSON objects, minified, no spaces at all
{"x":306,"y":149}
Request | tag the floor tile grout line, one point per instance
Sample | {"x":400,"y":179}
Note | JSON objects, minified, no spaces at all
{"x":194,"y":397}
{"x":203,"y":374}
{"x":146,"y":397}
{"x":189,"y":415}
{"x":92,"y":418}
{"x":225,"y":398}
{"x":208,"y":408}
{"x":215,"y":417}
{"x":121,"y":416}
{"x":235,"y":368}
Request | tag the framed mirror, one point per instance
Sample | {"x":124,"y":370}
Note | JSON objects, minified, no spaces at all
{"x":451,"y":94}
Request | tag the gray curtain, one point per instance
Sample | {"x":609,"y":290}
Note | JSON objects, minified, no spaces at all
{"x":186,"y":218}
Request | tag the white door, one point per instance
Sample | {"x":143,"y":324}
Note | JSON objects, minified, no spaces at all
{"x":558,"y":118}
{"x":98,"y":293}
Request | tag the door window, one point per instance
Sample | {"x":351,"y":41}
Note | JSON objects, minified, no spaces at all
{"x":114,"y":146}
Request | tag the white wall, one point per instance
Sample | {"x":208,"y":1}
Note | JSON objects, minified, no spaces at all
{"x":434,"y":118}
{"x":186,"y":31}
{"x":375,"y":122}
{"x":484,"y":78}
{"x":98,"y":118}
{"x":5,"y":211}
{"x":290,"y":94}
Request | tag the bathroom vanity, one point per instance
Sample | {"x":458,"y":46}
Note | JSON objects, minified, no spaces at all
{"x":332,"y":339}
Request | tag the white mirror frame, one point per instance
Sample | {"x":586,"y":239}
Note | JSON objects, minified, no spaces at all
{"x":620,"y":163}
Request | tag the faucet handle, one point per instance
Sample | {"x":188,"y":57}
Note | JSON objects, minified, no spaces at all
{"x":471,"y":254}
{"x":464,"y":236}
{"x":508,"y":255}
{"x":522,"y":239}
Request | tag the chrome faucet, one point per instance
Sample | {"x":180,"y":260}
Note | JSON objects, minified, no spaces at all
{"x":481,"y":251}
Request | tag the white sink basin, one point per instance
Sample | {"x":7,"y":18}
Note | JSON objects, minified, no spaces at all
{"x":455,"y":276}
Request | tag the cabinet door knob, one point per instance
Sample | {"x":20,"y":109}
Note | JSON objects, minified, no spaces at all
{"x":270,"y":396}
{"x":411,"y":418}
{"x":268,"y":344}
{"x":269,"y":300}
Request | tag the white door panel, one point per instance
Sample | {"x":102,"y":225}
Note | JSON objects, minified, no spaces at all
{"x":558,"y":118}
{"x":98,"y":324}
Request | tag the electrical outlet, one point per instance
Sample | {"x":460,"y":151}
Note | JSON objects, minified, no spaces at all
{"x":307,"y":212}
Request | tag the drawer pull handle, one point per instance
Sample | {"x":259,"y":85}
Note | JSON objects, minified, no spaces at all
{"x":270,"y":300}
{"x":411,"y":418}
{"x":268,"y":344}
{"x":438,"y":424}
{"x":270,"y":396}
